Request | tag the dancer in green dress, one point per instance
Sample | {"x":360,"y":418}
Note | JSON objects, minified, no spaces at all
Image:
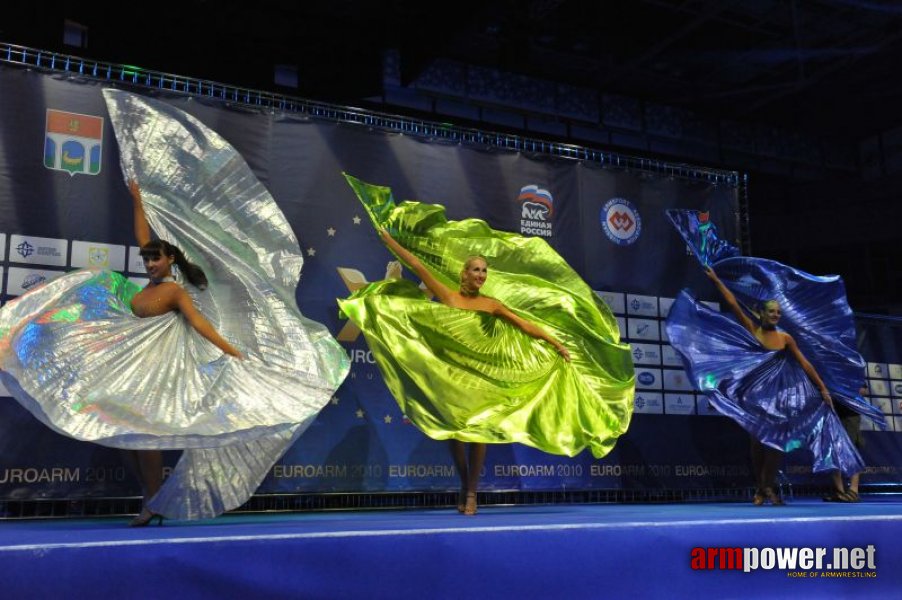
{"x":528,"y":355}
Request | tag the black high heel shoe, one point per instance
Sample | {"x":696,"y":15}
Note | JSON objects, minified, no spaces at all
{"x":146,"y":518}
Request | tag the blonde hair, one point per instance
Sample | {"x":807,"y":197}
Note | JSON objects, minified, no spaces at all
{"x":469,"y":262}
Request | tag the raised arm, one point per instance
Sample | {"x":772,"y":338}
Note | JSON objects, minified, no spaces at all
{"x":730,"y":299}
{"x":808,"y":368}
{"x":530,"y":328}
{"x":440,"y":290}
{"x":203,"y":327}
{"x":142,"y":229}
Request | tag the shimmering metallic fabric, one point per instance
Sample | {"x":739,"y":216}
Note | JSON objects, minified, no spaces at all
{"x":78,"y":358}
{"x":474,"y":377}
{"x":765,"y":391}
{"x":815,"y":311}
{"x":701,"y":236}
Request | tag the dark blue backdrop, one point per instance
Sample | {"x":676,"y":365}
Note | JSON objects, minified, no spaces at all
{"x":58,"y":213}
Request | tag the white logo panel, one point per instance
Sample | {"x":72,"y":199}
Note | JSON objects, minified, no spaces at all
{"x":878,"y":370}
{"x":643,"y":306}
{"x":664,"y":305}
{"x":895,"y":388}
{"x":670,"y":357}
{"x":621,"y":325}
{"x":704,"y":408}
{"x":648,"y":403}
{"x":135,"y":262}
{"x":2,"y":246}
{"x":141,"y":281}
{"x":679,"y":404}
{"x":677,"y":380}
{"x":895,"y":371}
{"x":642,"y":329}
{"x":646,"y":354}
{"x":97,"y":255}
{"x":615,"y":300}
{"x":897,"y":407}
{"x":38,"y":250}
{"x":648,"y":379}
{"x":884,"y":404}
{"x":20,"y":281}
{"x":878,"y":387}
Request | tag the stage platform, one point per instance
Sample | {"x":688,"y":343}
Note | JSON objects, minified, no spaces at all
{"x":560,"y":551}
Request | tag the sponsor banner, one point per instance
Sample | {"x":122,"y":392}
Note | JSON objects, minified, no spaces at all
{"x":98,"y":255}
{"x":21,"y":280}
{"x":895,"y":388}
{"x":621,"y":325}
{"x":643,"y":306}
{"x":664,"y":336}
{"x":615,"y":300}
{"x":884,"y":404}
{"x":896,"y":424}
{"x":895,"y":371}
{"x":878,"y":370}
{"x":35,"y":250}
{"x":664,"y":305}
{"x":679,"y":404}
{"x":648,"y":379}
{"x":141,"y":281}
{"x":878,"y":387}
{"x":135,"y":262}
{"x":2,"y":246}
{"x":642,"y":329}
{"x":703,"y":407}
{"x":676,"y":380}
{"x":648,"y":403}
{"x":897,"y":407}
{"x":646,"y":354}
{"x":670,"y":357}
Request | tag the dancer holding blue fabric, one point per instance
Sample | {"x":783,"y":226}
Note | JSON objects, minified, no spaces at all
{"x":778,"y":385}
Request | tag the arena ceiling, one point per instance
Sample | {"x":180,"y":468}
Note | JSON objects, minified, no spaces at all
{"x":813,"y":65}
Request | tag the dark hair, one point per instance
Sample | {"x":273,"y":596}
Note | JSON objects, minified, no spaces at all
{"x":195,"y":274}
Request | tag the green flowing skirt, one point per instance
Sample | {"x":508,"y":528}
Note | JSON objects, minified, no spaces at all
{"x":473,"y":377}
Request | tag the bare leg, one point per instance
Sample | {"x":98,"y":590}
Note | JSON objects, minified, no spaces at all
{"x":474,"y":468}
{"x":770,"y":465}
{"x":757,"y":452}
{"x":459,"y":454}
{"x":837,"y":481}
{"x":853,"y":482}
{"x":150,"y":469}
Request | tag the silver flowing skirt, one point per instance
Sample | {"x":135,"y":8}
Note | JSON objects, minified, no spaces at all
{"x":74,"y":354}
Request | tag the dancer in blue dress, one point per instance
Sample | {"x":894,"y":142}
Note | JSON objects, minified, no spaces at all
{"x":778,"y":385}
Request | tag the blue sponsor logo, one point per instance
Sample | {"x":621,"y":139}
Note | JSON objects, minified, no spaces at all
{"x":646,"y":378}
{"x":32,"y":280}
{"x":640,"y":402}
{"x":638,"y":354}
{"x":898,"y":389}
{"x":25,"y":249}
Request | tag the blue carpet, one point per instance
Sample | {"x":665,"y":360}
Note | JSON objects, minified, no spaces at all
{"x":584,"y":551}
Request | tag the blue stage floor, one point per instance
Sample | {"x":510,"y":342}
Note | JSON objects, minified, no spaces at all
{"x":582,"y":551}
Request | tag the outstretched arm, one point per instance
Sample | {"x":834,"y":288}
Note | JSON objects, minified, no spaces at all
{"x":808,"y":368}
{"x":142,"y":229}
{"x":730,"y":299}
{"x":440,"y":290}
{"x":530,"y":328}
{"x":202,"y":325}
